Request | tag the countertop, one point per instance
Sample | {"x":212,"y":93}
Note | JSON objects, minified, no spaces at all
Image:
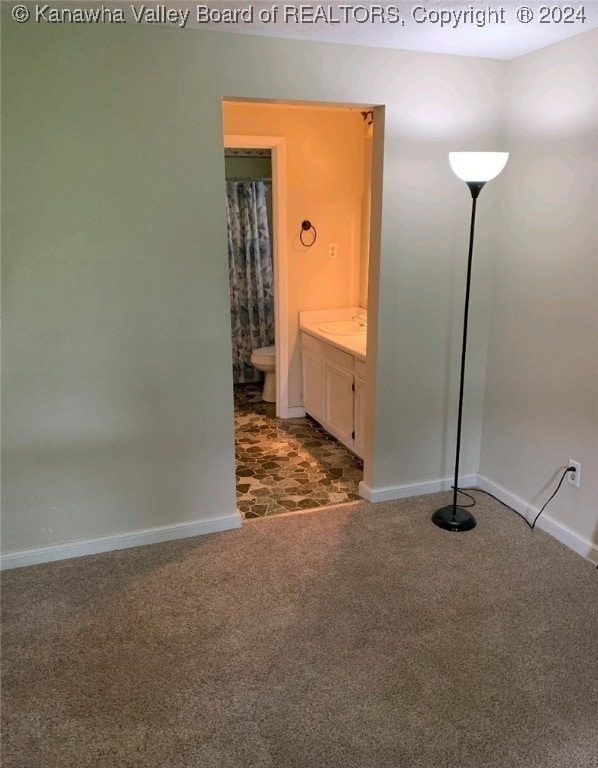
{"x":354,"y":345}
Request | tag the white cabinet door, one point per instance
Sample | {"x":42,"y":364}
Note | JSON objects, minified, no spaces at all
{"x":338,"y":403}
{"x":358,"y":445}
{"x":313,"y":384}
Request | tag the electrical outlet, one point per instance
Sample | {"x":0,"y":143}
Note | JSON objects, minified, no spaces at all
{"x":332,"y":250}
{"x":574,"y":477}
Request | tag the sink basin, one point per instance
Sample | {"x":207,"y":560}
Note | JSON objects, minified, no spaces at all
{"x":343,"y":328}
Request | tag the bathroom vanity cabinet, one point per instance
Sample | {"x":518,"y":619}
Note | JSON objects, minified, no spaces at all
{"x":333,"y":389}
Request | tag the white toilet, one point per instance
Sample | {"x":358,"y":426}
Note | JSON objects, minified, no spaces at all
{"x":264,"y":359}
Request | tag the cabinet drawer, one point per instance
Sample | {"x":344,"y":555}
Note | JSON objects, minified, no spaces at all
{"x":310,"y":342}
{"x":360,"y":369}
{"x":340,"y":358}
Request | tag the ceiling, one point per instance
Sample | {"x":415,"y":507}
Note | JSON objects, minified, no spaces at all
{"x":486,"y":29}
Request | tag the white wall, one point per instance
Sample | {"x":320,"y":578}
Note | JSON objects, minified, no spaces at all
{"x":116,"y":378}
{"x":541,"y":403}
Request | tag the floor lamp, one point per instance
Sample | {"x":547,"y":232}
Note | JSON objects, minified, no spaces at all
{"x":475,"y":169}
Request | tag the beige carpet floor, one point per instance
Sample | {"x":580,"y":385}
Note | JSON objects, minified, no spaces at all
{"x":359,"y":637}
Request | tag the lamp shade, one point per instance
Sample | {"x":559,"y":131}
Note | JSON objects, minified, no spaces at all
{"x":477,"y":166}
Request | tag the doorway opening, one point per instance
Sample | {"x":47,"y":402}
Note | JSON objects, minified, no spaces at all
{"x":321,"y":170}
{"x":251,"y":146}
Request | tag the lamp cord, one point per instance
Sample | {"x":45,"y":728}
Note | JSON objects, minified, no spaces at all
{"x":569,"y":469}
{"x":531,"y":525}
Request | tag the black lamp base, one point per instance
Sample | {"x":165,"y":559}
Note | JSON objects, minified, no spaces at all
{"x":454,"y":519}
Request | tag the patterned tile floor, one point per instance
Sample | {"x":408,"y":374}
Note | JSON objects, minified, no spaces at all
{"x":287,"y":464}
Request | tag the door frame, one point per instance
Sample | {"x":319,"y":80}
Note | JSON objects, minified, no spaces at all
{"x":277,"y":146}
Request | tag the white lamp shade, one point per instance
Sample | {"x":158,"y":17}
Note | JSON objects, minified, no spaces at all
{"x":477,"y":166}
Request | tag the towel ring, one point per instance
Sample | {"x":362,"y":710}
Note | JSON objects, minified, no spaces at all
{"x":306,"y":226}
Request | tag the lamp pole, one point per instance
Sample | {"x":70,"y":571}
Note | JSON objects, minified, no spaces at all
{"x":454,"y":518}
{"x":475,"y":169}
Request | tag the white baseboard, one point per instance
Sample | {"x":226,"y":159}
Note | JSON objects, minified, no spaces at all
{"x":393,"y":492}
{"x":38,"y":555}
{"x":546,"y":523}
{"x":119,"y":541}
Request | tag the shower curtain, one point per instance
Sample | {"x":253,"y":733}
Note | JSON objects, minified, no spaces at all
{"x":250,"y":275}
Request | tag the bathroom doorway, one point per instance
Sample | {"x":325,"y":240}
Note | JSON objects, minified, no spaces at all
{"x":282,"y":465}
{"x":275,"y":146}
{"x":250,"y":266}
{"x":285,"y":460}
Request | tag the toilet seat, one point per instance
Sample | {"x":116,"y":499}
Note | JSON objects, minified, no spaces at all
{"x":264,"y":356}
